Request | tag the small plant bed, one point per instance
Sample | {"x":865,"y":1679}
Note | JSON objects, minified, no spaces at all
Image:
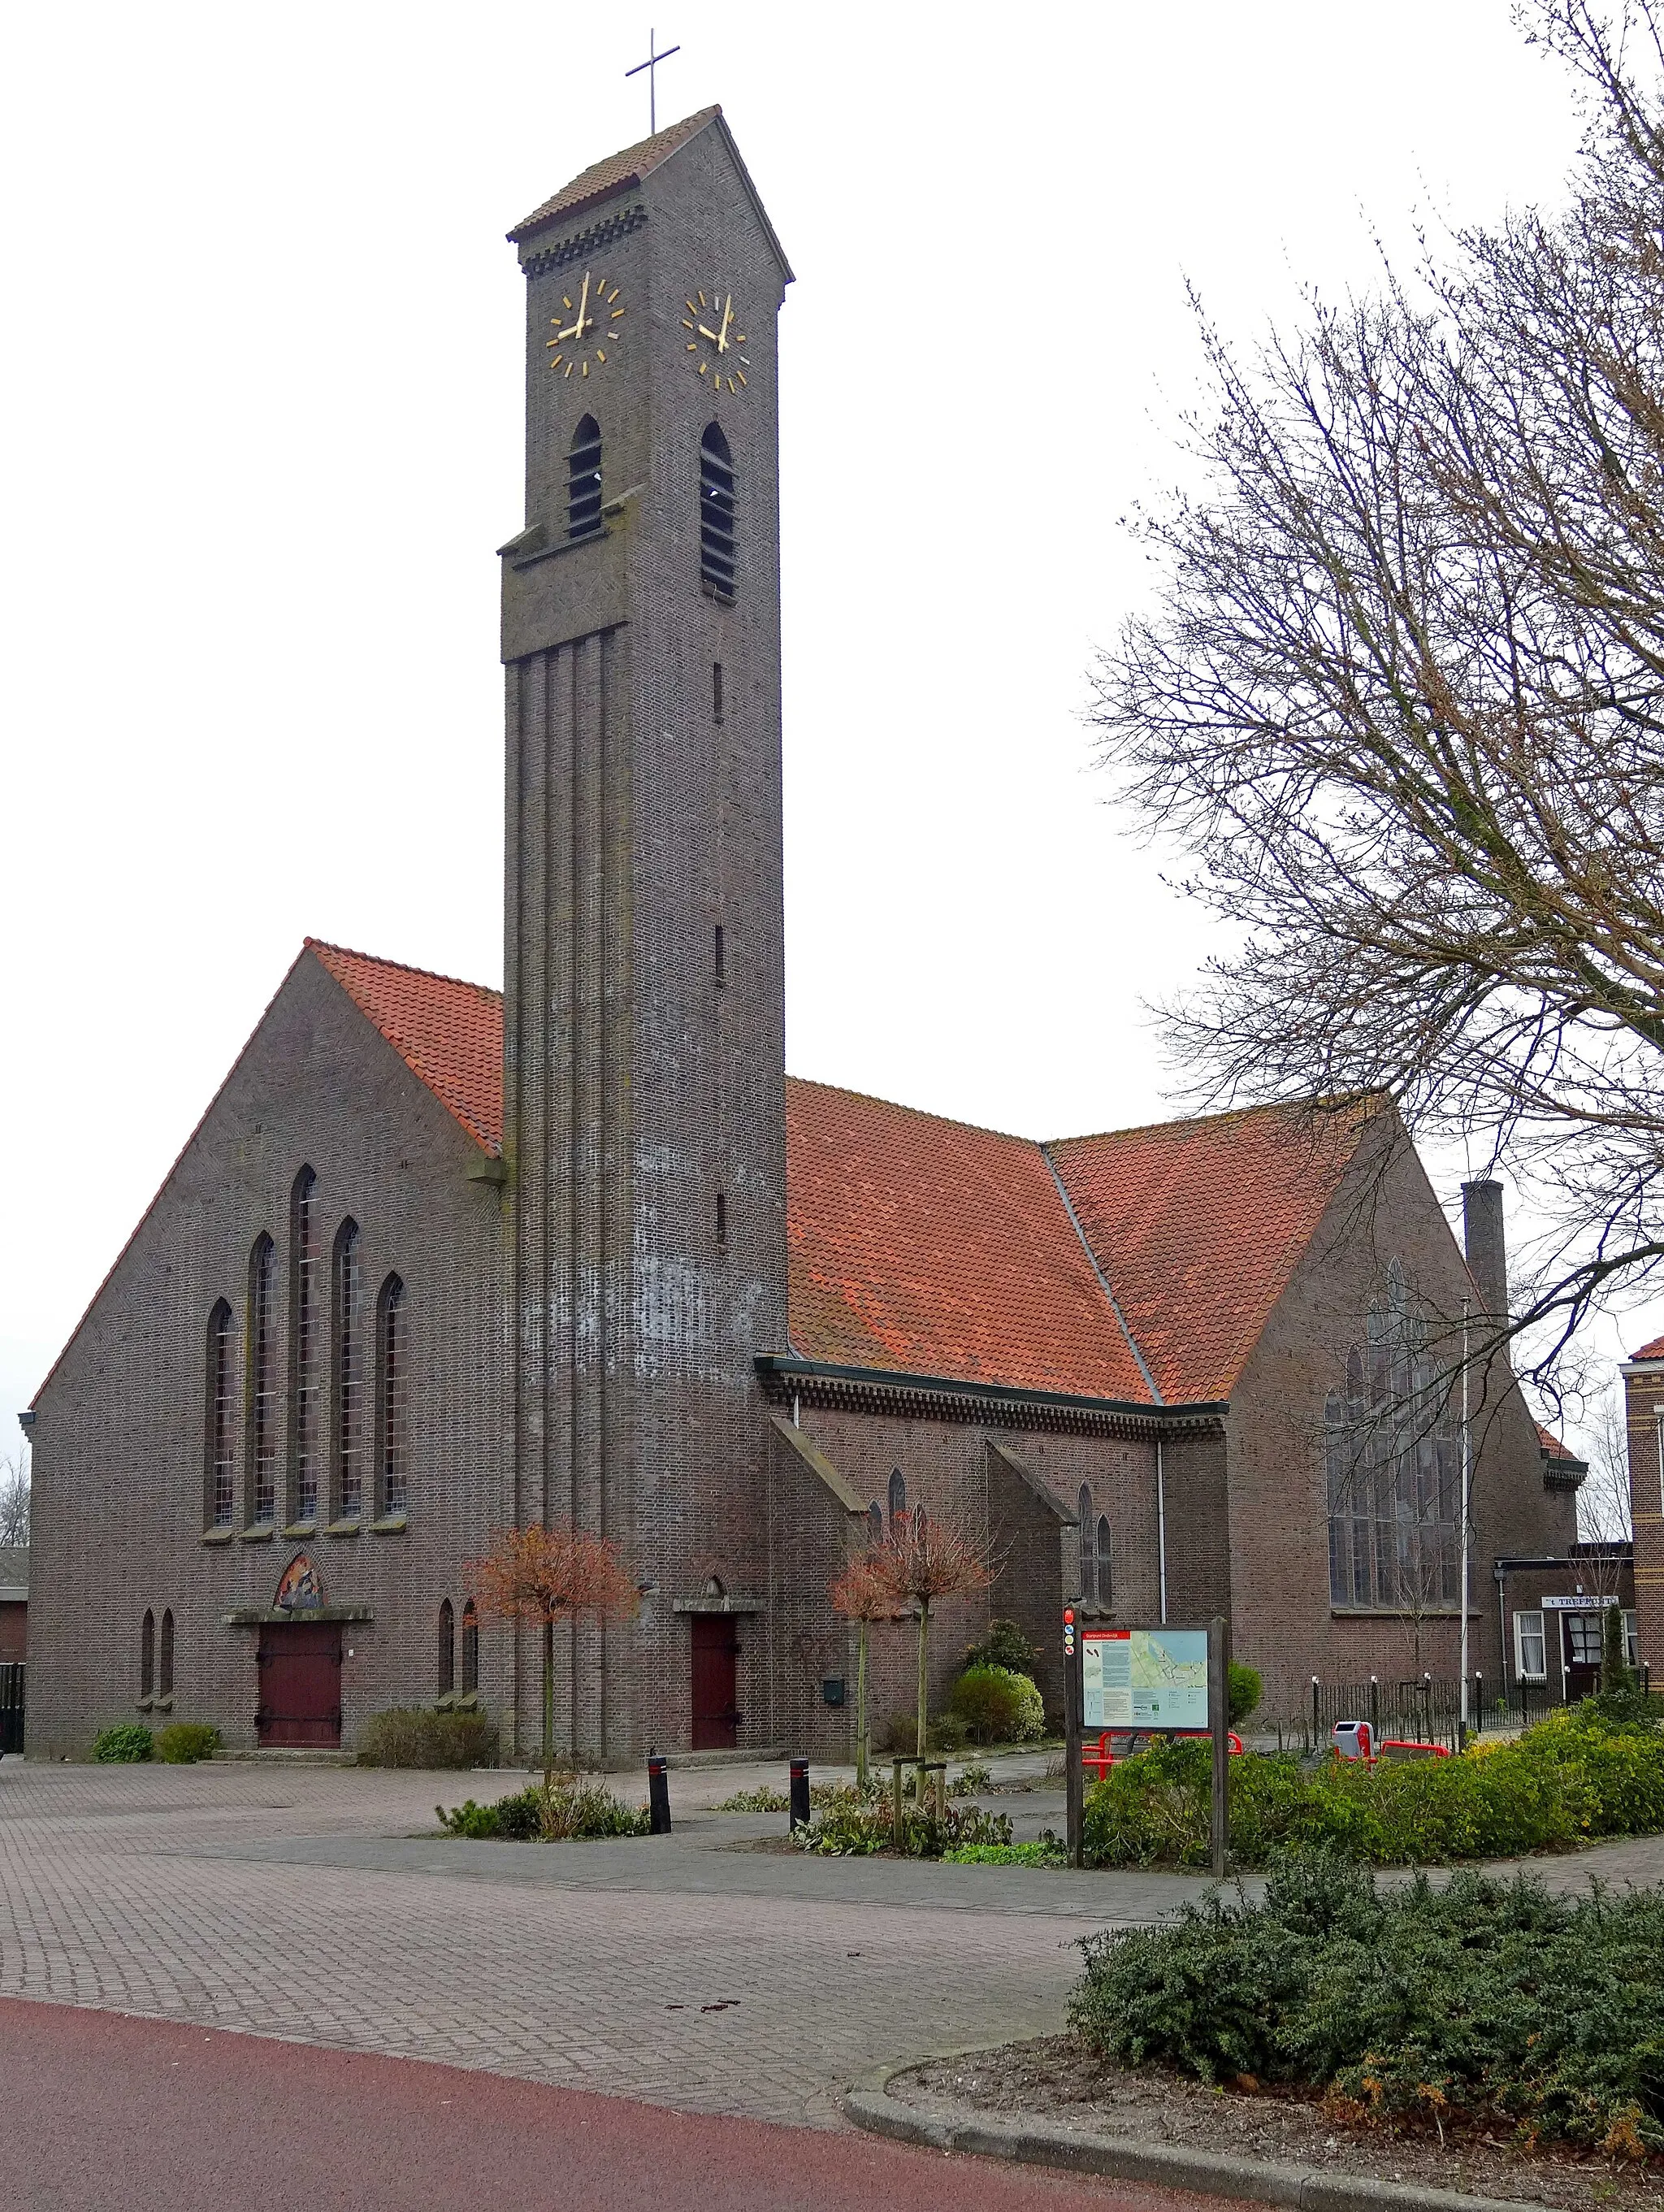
{"x":1060,"y":2080}
{"x":1047,"y":1851}
{"x":570,"y":1812}
{"x":851,"y":1823}
{"x":1578,"y":1776}
{"x":765,"y":1798}
{"x":1486,"y":2036}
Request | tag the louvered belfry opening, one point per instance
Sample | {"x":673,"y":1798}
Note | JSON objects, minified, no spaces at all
{"x":583,"y":480}
{"x":716,"y":513}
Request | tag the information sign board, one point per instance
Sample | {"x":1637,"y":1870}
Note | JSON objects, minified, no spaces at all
{"x":1143,"y":1678}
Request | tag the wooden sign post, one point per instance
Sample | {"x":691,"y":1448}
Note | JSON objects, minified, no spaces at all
{"x":1218,"y":1722}
{"x":1074,"y":1787}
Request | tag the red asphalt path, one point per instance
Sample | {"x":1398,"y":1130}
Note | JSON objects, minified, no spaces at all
{"x":100,"y":2112}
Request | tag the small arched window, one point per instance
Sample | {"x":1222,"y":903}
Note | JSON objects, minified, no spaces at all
{"x":348,"y":1375}
{"x":447,"y":1648}
{"x":897,"y":1493}
{"x":263,"y":1381}
{"x":392,"y":1369}
{"x":471,"y":1647}
{"x":1106,"y":1587}
{"x":147,"y":1653}
{"x":306,"y":1347}
{"x":1089,"y":1563}
{"x":165,"y":1658}
{"x":718,"y":534}
{"x":583,"y":480}
{"x":221,"y":1424}
{"x":875,"y":1522}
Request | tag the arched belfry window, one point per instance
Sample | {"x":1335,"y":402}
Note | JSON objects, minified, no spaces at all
{"x":165,"y":1655}
{"x":898,"y":1492}
{"x":263,"y":1381}
{"x":447,"y":1648}
{"x":148,"y":1655}
{"x":717,"y":519}
{"x":305,"y":1348}
{"x":471,"y":1647}
{"x":583,"y":480}
{"x":349,"y":1422}
{"x":221,"y":1424}
{"x":392,"y":1410}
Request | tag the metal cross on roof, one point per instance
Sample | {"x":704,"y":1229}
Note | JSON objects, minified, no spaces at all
{"x":650,"y":66}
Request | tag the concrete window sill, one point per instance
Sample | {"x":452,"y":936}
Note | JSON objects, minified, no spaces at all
{"x":390,"y":1524}
{"x":262,"y":1532}
{"x":301,"y":1529}
{"x":342,"y":1527}
{"x":218,"y":1536}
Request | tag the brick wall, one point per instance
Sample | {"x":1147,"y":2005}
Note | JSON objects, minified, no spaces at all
{"x":1643,"y":1395}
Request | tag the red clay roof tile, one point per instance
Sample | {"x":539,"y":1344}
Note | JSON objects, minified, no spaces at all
{"x":1652,"y":1351}
{"x":448,"y":1033}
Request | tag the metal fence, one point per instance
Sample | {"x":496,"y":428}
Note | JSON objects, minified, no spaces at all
{"x":11,"y":1705}
{"x":1425,"y":1710}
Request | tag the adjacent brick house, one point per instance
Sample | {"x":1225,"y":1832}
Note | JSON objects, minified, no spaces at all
{"x":437,"y":1261}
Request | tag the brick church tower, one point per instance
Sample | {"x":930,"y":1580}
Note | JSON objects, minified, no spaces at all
{"x":644,"y":1067}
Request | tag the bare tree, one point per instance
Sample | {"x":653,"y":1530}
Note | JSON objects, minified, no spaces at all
{"x":918,"y":1560}
{"x":15,"y":1498}
{"x":1401,"y":695}
{"x":1603,"y":1500}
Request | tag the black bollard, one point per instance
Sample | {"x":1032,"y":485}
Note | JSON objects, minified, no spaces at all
{"x":799,"y":1817}
{"x":659,"y":1795}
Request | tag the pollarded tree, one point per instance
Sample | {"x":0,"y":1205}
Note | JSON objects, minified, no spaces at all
{"x":547,"y":1574}
{"x":919,"y":1560}
{"x":1401,"y":693}
{"x":860,"y":1595}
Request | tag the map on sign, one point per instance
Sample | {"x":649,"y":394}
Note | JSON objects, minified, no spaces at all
{"x":1143,"y":1678}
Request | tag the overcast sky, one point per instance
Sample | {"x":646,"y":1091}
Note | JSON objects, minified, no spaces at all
{"x":262,"y":384}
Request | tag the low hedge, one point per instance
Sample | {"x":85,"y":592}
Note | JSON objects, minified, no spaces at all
{"x":184,"y":1742}
{"x":1480,"y":2003}
{"x":1575,"y":1777}
{"x":414,"y":1735}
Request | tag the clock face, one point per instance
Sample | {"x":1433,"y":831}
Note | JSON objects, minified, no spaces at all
{"x":716,"y":343}
{"x":589,"y":327}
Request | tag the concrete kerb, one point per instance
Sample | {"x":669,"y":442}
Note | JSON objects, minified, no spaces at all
{"x":868,"y":2105}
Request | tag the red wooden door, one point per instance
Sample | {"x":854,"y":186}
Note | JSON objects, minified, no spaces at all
{"x":716,"y":1681}
{"x":299,"y":1683}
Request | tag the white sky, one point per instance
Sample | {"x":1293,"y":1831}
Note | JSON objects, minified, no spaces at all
{"x":261,"y":393}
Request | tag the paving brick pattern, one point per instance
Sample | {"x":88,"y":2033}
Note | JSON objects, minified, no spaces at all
{"x":320,"y":1905}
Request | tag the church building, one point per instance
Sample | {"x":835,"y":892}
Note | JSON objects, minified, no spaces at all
{"x":437,"y":1262}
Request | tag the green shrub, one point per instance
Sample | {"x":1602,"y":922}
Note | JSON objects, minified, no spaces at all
{"x":854,"y":1823}
{"x":1005,"y":1645}
{"x":121,"y":1746}
{"x":971,"y":1779}
{"x":571,"y":1811}
{"x":999,"y":1706}
{"x":1574,"y":1778}
{"x":414,"y":1735}
{"x":185,"y":1741}
{"x":764,"y":1799}
{"x":901,"y":1732}
{"x":1245,"y":1687}
{"x":1484,"y":2002}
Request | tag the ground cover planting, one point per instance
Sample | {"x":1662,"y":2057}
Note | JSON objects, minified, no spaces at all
{"x":566,"y":1811}
{"x":1485,"y":2005}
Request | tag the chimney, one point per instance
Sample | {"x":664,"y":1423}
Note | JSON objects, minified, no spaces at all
{"x":1485,"y":1241}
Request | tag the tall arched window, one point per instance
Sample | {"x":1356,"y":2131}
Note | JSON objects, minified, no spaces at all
{"x":583,"y":480}
{"x":447,"y":1648}
{"x":221,"y":1424}
{"x":875,"y":1522}
{"x":348,"y":1375}
{"x":262,"y":1381}
{"x":165,"y":1661}
{"x":471,"y":1647}
{"x":392,"y":1401}
{"x":717,"y":519}
{"x":1393,"y":1465}
{"x":1089,"y":1558}
{"x":147,"y":1653}
{"x":898,"y":1492}
{"x":1106,"y":1587}
{"x":305,"y":1348}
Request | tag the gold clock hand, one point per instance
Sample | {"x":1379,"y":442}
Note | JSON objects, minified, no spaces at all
{"x":583,"y":303}
{"x":727,"y":317}
{"x":710,"y":335}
